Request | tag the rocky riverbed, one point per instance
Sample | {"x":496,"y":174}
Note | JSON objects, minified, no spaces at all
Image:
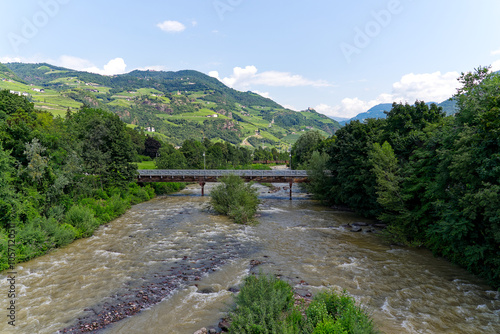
{"x":154,"y":289}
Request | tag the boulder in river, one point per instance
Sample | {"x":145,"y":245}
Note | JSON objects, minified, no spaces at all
{"x":356,"y":229}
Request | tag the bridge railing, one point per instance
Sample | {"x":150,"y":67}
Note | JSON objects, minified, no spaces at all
{"x":218,"y":172}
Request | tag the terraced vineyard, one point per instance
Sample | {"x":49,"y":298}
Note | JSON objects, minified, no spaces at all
{"x":173,"y":105}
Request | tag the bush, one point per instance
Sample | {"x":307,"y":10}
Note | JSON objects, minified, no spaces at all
{"x":266,"y":305}
{"x":342,"y":314}
{"x":64,"y":235}
{"x":235,"y":199}
{"x":82,"y":218}
{"x":260,"y":303}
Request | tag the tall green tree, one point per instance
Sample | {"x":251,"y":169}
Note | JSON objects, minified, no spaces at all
{"x":170,"y":158}
{"x":304,"y":147}
{"x":104,"y":145}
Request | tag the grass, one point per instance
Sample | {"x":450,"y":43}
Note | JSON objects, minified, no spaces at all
{"x":146,"y":165}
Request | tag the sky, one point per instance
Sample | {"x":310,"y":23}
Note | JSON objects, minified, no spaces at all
{"x":338,"y":57}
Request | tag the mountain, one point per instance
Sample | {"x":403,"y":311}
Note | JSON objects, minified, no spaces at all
{"x":374,"y":112}
{"x":378,"y":111}
{"x":172,"y":105}
{"x":339,"y":119}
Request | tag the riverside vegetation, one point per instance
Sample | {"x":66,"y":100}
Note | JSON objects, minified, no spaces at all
{"x":266,"y":304}
{"x":435,"y":180}
{"x":62,"y":178}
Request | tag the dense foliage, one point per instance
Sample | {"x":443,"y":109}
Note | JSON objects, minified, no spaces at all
{"x":235,"y":199}
{"x":60,"y":179}
{"x":265,"y":304}
{"x":194,"y":154}
{"x":434,"y":179}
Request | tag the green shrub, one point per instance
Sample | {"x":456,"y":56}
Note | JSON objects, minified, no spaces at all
{"x":342,"y":309}
{"x":266,"y":305}
{"x":64,"y":235}
{"x":32,"y":241}
{"x":235,"y":199}
{"x":330,"y":326}
{"x":260,"y":305}
{"x":317,"y":313}
{"x":82,"y":218}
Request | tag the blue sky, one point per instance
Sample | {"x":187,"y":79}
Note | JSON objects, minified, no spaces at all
{"x":339,"y":57}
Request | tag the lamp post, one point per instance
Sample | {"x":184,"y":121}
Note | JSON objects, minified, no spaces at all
{"x":202,"y":183}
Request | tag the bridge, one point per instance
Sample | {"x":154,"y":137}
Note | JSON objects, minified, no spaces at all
{"x":202,"y":176}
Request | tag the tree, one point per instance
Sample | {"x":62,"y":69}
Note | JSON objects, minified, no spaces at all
{"x":319,"y":182}
{"x":304,"y":147}
{"x":193,"y":151}
{"x":7,"y":193}
{"x":170,"y":158}
{"x":151,"y":147}
{"x":104,"y":145}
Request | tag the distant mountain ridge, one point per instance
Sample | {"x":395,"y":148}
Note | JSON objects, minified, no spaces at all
{"x":176,"y":106}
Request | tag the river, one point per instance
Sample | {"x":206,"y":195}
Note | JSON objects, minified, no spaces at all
{"x":405,"y":290}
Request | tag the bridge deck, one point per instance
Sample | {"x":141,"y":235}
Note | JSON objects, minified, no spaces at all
{"x":212,"y":175}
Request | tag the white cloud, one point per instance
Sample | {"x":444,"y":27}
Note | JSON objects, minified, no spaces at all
{"x":327,"y":110}
{"x":7,"y":59}
{"x":194,"y":23}
{"x":428,"y":87}
{"x":214,"y":74}
{"x":495,"y":66}
{"x":114,"y":66}
{"x":153,"y":68}
{"x":264,"y":94}
{"x":291,"y":107}
{"x":495,"y":52}
{"x":244,"y":78}
{"x":74,"y":63}
{"x":171,"y":26}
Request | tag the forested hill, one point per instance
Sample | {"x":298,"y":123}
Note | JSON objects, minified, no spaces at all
{"x":177,"y":105}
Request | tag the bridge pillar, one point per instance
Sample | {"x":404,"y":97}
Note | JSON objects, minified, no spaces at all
{"x":291,"y":182}
{"x":202,"y":184}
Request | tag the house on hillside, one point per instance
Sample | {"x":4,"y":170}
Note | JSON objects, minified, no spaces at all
{"x":39,"y":90}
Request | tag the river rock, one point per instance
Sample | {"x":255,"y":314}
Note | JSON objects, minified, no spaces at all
{"x":212,"y":331}
{"x":201,"y":331}
{"x":346,"y":226}
{"x":356,"y":229}
{"x":255,"y":263}
{"x":206,"y":290}
{"x":359,"y":224}
{"x":224,"y":325}
{"x":233,"y":289}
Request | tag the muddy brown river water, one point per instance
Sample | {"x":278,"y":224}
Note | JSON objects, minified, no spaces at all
{"x":202,"y":255}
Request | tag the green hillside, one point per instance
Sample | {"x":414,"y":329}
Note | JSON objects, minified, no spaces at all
{"x":178,"y":105}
